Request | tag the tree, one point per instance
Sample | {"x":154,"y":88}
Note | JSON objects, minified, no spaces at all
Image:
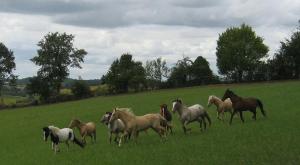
{"x":156,"y":70}
{"x":39,"y":86}
{"x":124,"y":73}
{"x":200,"y":71}
{"x":55,"y":55}
{"x":239,"y":50}
{"x":80,"y":89}
{"x":7,"y":65}
{"x":181,"y":73}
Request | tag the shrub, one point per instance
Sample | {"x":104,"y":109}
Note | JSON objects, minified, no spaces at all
{"x":80,"y":89}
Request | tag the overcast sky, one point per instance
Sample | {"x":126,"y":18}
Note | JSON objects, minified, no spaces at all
{"x":148,"y":29}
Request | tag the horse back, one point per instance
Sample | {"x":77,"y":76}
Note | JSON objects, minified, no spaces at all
{"x":246,"y":103}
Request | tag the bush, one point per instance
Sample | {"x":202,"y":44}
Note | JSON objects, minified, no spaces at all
{"x":101,"y":90}
{"x":80,"y":89}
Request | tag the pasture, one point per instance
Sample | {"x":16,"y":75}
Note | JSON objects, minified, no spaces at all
{"x":271,"y":140}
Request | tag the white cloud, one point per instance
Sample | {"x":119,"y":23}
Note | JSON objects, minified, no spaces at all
{"x":147,"y":29}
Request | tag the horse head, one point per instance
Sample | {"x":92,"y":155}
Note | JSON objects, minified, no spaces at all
{"x":228,"y":93}
{"x":74,"y":122}
{"x":114,"y":115}
{"x":176,"y":104}
{"x":105,"y":118}
{"x":46,"y":132}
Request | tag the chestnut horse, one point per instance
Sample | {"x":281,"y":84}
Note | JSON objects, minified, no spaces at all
{"x":85,"y":129}
{"x":241,"y":104}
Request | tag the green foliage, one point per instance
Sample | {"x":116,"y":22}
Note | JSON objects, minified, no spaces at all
{"x":156,"y":70}
{"x":124,"y":73}
{"x":180,"y":73}
{"x":55,"y":55}
{"x":80,"y":89}
{"x":286,"y":62}
{"x":39,"y":86}
{"x":188,"y":73}
{"x":200,"y":71}
{"x":7,"y":65}
{"x":239,"y":50}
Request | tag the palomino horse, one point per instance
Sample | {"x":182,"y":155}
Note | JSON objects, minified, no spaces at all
{"x":240,"y":104}
{"x":116,"y":127}
{"x":167,"y":115}
{"x":85,"y":129}
{"x":134,"y":124}
{"x":222,"y":106}
{"x":190,"y":114}
{"x":59,"y":136}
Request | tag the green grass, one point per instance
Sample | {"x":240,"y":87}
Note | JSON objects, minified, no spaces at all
{"x":272,"y":140}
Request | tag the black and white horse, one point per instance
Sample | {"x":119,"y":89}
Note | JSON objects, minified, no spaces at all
{"x":58,"y":135}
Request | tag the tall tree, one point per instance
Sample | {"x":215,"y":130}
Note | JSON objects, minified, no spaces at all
{"x":156,"y":70}
{"x":55,"y":55}
{"x":124,"y":73}
{"x":201,"y":73}
{"x":239,"y":50}
{"x":181,"y":73}
{"x":7,"y":65}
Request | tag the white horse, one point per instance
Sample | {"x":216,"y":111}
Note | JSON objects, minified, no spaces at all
{"x":116,"y":127}
{"x":190,"y":114}
{"x":58,"y":135}
{"x":222,"y":106}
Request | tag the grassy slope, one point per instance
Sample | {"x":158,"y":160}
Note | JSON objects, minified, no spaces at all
{"x":274,"y":140}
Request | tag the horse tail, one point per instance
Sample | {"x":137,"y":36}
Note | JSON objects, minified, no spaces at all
{"x":207,"y":117}
{"x":261,"y":107}
{"x":75,"y":140}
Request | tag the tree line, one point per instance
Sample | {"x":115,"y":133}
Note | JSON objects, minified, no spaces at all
{"x":241,"y":57}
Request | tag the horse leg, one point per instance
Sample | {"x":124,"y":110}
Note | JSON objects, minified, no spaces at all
{"x":232,"y":116}
{"x":241,"y":116}
{"x":254,"y":114}
{"x":52,"y":145}
{"x":67,"y":143}
{"x":94,"y":136}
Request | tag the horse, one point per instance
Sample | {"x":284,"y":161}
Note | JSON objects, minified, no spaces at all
{"x":116,"y":127}
{"x":134,"y":124}
{"x":240,"y":104}
{"x":85,"y":129}
{"x":222,"y":106}
{"x":167,"y":115}
{"x":59,"y":136}
{"x":190,"y":114}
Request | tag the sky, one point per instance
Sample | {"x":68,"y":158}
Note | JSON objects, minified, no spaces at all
{"x":147,"y":29}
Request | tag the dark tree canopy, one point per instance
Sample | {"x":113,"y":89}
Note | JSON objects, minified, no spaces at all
{"x":201,"y":73}
{"x":7,"y":65}
{"x":55,"y":55}
{"x":181,"y":73}
{"x":239,"y":51}
{"x":156,"y":70}
{"x":124,"y":73}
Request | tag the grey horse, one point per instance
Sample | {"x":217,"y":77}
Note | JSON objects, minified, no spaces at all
{"x":190,"y":114}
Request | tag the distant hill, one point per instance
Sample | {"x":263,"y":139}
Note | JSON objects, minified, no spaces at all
{"x":67,"y":83}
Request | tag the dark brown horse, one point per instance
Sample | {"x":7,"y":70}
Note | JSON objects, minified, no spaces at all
{"x":168,"y":116}
{"x":240,"y":104}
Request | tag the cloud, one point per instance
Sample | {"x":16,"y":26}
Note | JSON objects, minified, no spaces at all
{"x":148,"y":29}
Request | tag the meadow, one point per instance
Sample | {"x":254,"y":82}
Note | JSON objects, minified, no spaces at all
{"x":271,"y":140}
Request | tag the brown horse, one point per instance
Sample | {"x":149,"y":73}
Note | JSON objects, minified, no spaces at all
{"x":167,"y":115}
{"x":85,"y":129}
{"x":240,"y":104}
{"x":134,"y":124}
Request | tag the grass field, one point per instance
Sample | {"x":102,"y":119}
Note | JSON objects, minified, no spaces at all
{"x":272,"y":140}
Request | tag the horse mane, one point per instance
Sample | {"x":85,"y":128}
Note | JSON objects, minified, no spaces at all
{"x":127,"y":111}
{"x":53,"y":129}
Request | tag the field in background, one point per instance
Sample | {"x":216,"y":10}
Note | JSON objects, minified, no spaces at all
{"x":272,"y":140}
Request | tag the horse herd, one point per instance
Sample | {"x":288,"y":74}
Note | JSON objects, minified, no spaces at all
{"x":122,"y":122}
